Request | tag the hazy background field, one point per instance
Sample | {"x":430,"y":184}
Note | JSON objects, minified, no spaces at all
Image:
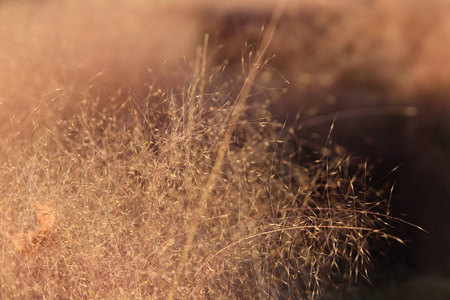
{"x":83,"y":82}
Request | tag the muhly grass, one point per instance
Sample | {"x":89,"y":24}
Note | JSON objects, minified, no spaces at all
{"x":140,"y":208}
{"x":124,"y":183}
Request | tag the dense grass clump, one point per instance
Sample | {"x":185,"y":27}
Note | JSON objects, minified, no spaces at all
{"x":138,"y":205}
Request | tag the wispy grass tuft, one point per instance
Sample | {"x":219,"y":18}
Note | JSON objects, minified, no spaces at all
{"x":188,"y":193}
{"x":126,"y":181}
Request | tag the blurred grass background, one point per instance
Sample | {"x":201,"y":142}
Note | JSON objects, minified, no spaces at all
{"x":107,"y":115}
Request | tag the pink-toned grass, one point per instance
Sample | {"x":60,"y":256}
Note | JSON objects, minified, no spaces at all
{"x":122,"y":156}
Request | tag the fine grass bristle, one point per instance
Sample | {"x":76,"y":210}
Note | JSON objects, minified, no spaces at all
{"x":194,"y":191}
{"x":125,"y":182}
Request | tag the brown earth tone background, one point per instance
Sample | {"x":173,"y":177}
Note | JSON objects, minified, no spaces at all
{"x":382,"y":68}
{"x":364,"y":62}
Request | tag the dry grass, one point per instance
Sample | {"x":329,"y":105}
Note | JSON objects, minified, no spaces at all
{"x":123,"y":183}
